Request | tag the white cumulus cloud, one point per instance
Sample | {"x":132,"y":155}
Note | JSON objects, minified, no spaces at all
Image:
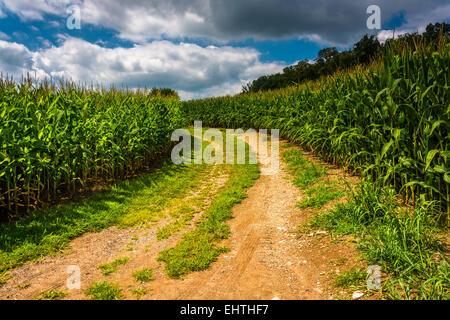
{"x":193,"y":70}
{"x":384,"y":35}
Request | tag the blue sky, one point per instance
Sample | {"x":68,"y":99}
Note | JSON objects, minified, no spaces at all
{"x":199,"y":47}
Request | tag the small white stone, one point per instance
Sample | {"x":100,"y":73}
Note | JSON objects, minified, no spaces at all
{"x":357,"y":295}
{"x":276,"y":298}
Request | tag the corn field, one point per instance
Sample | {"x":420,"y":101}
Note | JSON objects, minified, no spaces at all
{"x":55,"y":139}
{"x":389,"y":121}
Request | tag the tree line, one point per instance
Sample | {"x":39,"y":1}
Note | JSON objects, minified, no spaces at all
{"x":330,"y":60}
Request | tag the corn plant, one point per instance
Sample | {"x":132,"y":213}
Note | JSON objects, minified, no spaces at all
{"x":55,"y":139}
{"x":389,"y":121}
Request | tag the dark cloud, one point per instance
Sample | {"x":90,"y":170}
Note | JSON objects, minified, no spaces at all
{"x":340,"y":22}
{"x":330,"y":21}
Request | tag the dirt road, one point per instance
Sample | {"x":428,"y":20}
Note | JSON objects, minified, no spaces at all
{"x":268,"y":259}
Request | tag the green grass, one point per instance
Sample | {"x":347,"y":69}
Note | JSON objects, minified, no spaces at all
{"x":401,"y":240}
{"x":353,"y":278}
{"x":185,"y":212}
{"x":144,"y":275}
{"x":198,"y":249}
{"x":306,"y":173}
{"x":295,"y":160}
{"x":139,"y":293}
{"x":287,"y":145}
{"x":307,"y":176}
{"x":185,"y":215}
{"x":128,"y":203}
{"x":52,"y":295}
{"x":4,"y":277}
{"x":318,"y":196}
{"x":152,"y":205}
{"x":110,"y":268}
{"x":339,"y":261}
{"x":104,"y":291}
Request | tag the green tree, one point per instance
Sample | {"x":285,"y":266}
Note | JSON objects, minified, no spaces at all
{"x":433,"y":30}
{"x":367,"y":48}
